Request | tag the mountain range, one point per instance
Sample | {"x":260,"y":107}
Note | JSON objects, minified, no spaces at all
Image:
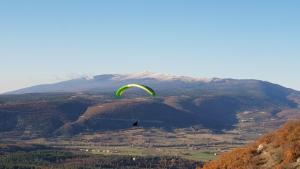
{"x":88,"y":104}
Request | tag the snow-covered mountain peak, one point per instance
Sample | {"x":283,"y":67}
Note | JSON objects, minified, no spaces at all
{"x":158,"y":76}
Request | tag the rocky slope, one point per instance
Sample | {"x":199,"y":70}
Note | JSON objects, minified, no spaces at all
{"x":277,"y":150}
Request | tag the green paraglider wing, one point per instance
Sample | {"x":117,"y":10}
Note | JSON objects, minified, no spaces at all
{"x":122,"y":89}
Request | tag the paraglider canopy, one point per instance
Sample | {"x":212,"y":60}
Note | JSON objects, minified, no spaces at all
{"x":122,"y":89}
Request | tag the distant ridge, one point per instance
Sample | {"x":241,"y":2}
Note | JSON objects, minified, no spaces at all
{"x":109,"y":82}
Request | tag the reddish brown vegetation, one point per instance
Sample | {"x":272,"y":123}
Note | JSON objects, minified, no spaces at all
{"x":281,"y":149}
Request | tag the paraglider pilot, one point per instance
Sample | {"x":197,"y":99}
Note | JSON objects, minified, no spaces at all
{"x":135,"y":124}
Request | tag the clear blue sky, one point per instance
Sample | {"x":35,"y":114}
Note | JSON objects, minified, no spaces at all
{"x":47,"y":41}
